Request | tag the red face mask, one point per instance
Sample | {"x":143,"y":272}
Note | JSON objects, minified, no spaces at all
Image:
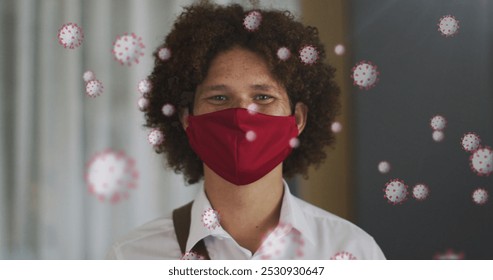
{"x":241,"y":146}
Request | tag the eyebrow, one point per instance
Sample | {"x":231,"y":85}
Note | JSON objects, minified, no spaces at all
{"x":222,"y":87}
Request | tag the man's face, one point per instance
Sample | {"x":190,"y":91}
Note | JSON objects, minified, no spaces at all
{"x":239,"y":78}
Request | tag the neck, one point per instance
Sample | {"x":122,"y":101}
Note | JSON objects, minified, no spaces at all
{"x":247,"y":212}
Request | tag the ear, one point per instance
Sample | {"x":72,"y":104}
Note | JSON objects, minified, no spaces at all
{"x":184,"y":118}
{"x":300,"y":113}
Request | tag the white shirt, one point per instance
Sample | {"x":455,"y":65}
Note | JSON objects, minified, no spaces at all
{"x":305,"y":232}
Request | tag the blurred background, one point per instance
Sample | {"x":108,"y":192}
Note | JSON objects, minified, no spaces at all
{"x":51,"y":130}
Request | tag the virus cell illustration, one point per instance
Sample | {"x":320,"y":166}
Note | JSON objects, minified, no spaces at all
{"x":251,"y":136}
{"x":252,"y":21}
{"x":336,"y":127}
{"x":384,"y":167}
{"x":283,"y":53}
{"x":449,"y":255}
{"x":211,"y":219}
{"x":308,"y":55}
{"x":94,"y":88}
{"x":438,"y":122}
{"x":480,"y":196}
{"x":89,"y":76}
{"x":144,"y":86}
{"x":448,"y":26}
{"x":70,"y":35}
{"x":339,"y":49}
{"x":395,"y":191}
{"x":128,"y":49}
{"x":343,"y":256}
{"x":168,"y":110}
{"x":365,"y":75}
{"x":421,"y":192}
{"x":294,"y":143}
{"x":481,"y":161}
{"x":191,"y":256}
{"x":470,"y":142}
{"x":110,"y":175}
{"x":164,"y":54}
{"x":143,"y":104}
{"x":156,"y":137}
{"x":282,"y":242}
{"x":438,"y":135}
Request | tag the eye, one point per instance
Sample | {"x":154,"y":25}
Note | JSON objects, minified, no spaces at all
{"x":217,"y":99}
{"x":263,"y":98}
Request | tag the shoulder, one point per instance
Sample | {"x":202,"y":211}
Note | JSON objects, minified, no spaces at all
{"x":153,"y":240}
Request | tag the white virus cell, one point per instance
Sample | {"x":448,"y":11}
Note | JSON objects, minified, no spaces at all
{"x":211,"y":219}
{"x":470,"y":142}
{"x":421,"y":192}
{"x":438,"y":135}
{"x":191,"y":256}
{"x":339,"y":49}
{"x":438,"y":122}
{"x":128,"y":49}
{"x":164,"y":54}
{"x":168,"y":110}
{"x":89,"y":76}
{"x":308,"y":55}
{"x":294,"y":143}
{"x":480,"y":196}
{"x":144,"y":86}
{"x":252,"y":20}
{"x":395,"y":191}
{"x":365,"y":75}
{"x":252,"y":108}
{"x":94,"y":88}
{"x":448,"y":26}
{"x":281,"y":243}
{"x":251,"y":136}
{"x":156,"y":137}
{"x":336,"y":127}
{"x":110,"y":175}
{"x":449,"y":254}
{"x":481,"y":161}
{"x":283,"y":53}
{"x":70,"y":35}
{"x":343,"y":256}
{"x":384,"y":167}
{"x":143,"y":104}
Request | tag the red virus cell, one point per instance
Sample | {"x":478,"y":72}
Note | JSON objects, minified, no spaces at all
{"x":480,"y":196}
{"x":336,"y":127}
{"x":89,"y":76}
{"x":294,"y":143}
{"x":421,"y":192}
{"x":211,"y":219}
{"x":70,"y":35}
{"x":191,"y":256}
{"x":252,"y":20}
{"x":282,"y":243}
{"x":110,"y":175}
{"x":164,"y":53}
{"x":470,"y":142}
{"x":168,"y":110}
{"x":128,"y":49}
{"x":438,"y":135}
{"x":343,"y":256}
{"x":94,"y":88}
{"x":449,"y":254}
{"x":384,"y":167}
{"x":156,"y":137}
{"x":283,"y":53}
{"x":481,"y":161}
{"x":144,"y":86}
{"x":339,"y":49}
{"x":365,"y":74}
{"x":308,"y":55}
{"x":251,"y":135}
{"x":143,"y":104}
{"x":396,"y":191}
{"x":438,"y":122}
{"x":448,"y":26}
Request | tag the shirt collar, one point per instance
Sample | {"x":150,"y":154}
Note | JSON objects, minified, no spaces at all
{"x":291,"y":214}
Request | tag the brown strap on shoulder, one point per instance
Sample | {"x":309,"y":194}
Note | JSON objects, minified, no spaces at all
{"x":181,"y":222}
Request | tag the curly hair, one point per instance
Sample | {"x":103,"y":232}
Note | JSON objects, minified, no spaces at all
{"x":203,"y":31}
